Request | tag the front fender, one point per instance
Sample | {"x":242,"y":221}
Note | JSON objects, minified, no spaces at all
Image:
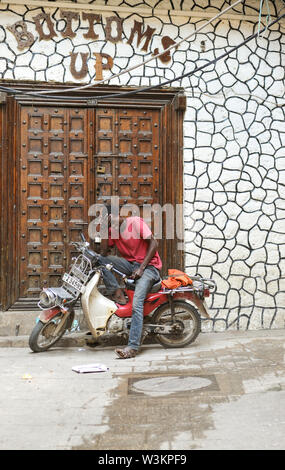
{"x":47,"y":315}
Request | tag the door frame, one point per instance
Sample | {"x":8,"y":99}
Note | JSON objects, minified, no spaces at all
{"x":170,"y":102}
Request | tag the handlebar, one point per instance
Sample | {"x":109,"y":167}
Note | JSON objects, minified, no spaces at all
{"x":124,"y":276}
{"x":82,"y":246}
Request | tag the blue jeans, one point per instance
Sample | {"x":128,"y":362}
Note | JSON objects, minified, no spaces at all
{"x":142,"y":287}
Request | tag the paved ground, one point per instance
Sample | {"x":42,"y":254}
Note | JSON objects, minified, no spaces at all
{"x":226,"y":391}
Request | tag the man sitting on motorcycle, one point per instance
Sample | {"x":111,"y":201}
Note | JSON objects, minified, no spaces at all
{"x":139,"y":260}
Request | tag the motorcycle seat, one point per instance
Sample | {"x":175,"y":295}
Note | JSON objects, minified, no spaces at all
{"x":155,"y":287}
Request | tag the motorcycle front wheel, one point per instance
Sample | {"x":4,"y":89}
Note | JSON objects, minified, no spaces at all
{"x":186,"y":324}
{"x":41,"y":338}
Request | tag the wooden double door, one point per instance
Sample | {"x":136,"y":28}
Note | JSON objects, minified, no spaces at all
{"x":70,"y":159}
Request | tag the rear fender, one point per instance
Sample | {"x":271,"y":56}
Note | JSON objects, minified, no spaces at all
{"x":200,"y":304}
{"x":46,"y":315}
{"x":202,"y":307}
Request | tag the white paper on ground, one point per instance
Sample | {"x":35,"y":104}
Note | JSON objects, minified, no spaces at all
{"x":83,"y":369}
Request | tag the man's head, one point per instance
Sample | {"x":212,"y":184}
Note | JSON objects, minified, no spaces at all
{"x":109,"y":217}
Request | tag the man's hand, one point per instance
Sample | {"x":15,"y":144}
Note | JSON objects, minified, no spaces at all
{"x":137,"y":273}
{"x":152,"y":247}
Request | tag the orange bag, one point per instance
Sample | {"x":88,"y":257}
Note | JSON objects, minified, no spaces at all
{"x":170,"y":283}
{"x":176,"y":279}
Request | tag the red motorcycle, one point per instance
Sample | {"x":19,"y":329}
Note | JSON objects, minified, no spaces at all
{"x":171,"y":315}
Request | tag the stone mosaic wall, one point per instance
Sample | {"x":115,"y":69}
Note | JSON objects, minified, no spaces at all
{"x":234,"y":134}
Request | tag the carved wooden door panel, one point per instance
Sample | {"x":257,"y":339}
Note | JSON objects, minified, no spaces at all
{"x":127,"y":155}
{"x":54,"y":189}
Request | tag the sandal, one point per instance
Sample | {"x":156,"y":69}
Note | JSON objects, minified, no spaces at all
{"x":126,"y":353}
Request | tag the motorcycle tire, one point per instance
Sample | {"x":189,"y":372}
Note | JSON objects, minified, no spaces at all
{"x":187,"y":320}
{"x":41,"y":339}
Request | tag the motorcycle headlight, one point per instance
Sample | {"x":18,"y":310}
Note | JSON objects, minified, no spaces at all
{"x":47,"y":298}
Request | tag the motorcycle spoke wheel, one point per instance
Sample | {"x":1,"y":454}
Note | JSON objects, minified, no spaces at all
{"x":42,"y":337}
{"x":186,"y":324}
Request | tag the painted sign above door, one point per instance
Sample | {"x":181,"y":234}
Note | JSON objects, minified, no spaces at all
{"x":139,"y":36}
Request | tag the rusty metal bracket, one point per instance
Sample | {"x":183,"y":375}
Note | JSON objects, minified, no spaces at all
{"x":92,"y":102}
{"x":3,"y":97}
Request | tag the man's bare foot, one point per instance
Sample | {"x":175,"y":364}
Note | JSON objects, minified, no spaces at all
{"x":119,"y":297}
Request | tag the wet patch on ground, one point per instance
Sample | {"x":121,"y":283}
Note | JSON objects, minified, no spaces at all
{"x":178,"y":408}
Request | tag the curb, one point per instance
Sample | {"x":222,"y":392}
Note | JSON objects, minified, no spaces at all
{"x":72,"y":340}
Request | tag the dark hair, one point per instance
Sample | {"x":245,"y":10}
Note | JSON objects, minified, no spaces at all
{"x":111,"y":209}
{"x":108,"y":207}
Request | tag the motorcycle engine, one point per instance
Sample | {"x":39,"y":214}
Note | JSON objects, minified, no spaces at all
{"x":115,"y":324}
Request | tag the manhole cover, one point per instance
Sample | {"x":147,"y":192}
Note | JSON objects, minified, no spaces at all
{"x":170,"y":384}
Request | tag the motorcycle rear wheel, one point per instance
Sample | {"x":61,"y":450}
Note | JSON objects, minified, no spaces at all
{"x":41,"y":338}
{"x":186,"y":319}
